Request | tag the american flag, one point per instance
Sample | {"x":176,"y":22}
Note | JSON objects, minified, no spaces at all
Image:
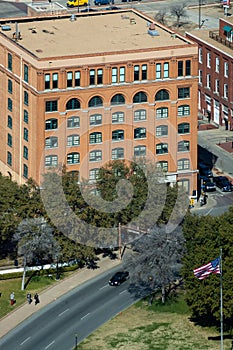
{"x":204,"y":271}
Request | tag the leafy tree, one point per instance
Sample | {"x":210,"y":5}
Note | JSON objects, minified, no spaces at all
{"x":178,"y":10}
{"x":204,"y":237}
{"x":154,"y":260}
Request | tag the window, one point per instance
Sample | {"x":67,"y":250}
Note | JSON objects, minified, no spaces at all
{"x":183,"y":110}
{"x":73,"y":122}
{"x":9,"y":104}
{"x":158,"y":71}
{"x":25,"y":152}
{"x":47,"y":81}
{"x":25,"y":73}
{"x":9,"y":140}
{"x":161,"y":130}
{"x":118,"y":117}
{"x":95,"y":156}
{"x":25,"y":134}
{"x":55,"y":80}
{"x":9,"y":122}
{"x":96,"y":119}
{"x":9,"y":158}
{"x":216,"y":86}
{"x":69,"y":79}
{"x":92,"y":77}
{"x":118,"y":135}
{"x":200,"y":55}
{"x":184,"y":146}
{"x":95,"y":137}
{"x":51,"y":160}
{"x":140,"y":114}
{"x":25,"y":171}
{"x":25,"y":100}
{"x":25,"y":116}
{"x":140,"y":151}
{"x":50,"y":106}
{"x":184,"y":128}
{"x":208,"y":59}
{"x":73,"y":140}
{"x":139,"y":133}
{"x":188,"y":67}
{"x":77,"y":78}
{"x":93,"y":174}
{"x":166,"y":70}
{"x":122,"y":74}
{"x":208,"y":81}
{"x":73,"y":103}
{"x":9,"y":62}
{"x":140,"y":97}
{"x":118,"y":153}
{"x":136,"y":73}
{"x":180,"y":68}
{"x":100,"y":76}
{"x":200,"y":76}
{"x":225,"y":91}
{"x":10,"y":86}
{"x":226,"y":69}
{"x":117,"y":99}
{"x":114,"y":75}
{"x":95,"y":101}
{"x":162,"y":165}
{"x":161,"y":148}
{"x":184,"y":92}
{"x":51,"y":124}
{"x":162,"y":95}
{"x":184,"y":184}
{"x":73,"y":158}
{"x":217,"y":64}
{"x":183,"y":164}
{"x":51,"y":142}
{"x":162,"y":113}
{"x":144,"y":72}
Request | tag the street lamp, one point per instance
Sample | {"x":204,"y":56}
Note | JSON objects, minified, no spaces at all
{"x":57,"y":270}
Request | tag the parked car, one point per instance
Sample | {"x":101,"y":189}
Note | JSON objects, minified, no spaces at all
{"x":129,"y":0}
{"x":205,"y":170}
{"x":118,"y":278}
{"x":112,"y":8}
{"x":223,"y":183}
{"x":89,"y":10}
{"x":207,"y":184}
{"x":102,"y":2}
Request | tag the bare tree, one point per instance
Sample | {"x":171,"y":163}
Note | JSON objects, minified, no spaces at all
{"x":154,"y":260}
{"x":179,"y":11}
{"x":161,"y":16}
{"x":35,"y":242}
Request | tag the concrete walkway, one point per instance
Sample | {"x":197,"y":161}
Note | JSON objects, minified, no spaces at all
{"x":51,"y":294}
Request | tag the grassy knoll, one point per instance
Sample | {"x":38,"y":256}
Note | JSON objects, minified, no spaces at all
{"x":156,"y":327}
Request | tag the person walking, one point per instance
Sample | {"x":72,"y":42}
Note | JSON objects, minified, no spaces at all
{"x":36,"y":298}
{"x":29,"y":298}
{"x":12,"y":298}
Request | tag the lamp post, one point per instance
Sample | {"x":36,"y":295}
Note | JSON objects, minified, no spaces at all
{"x":57,"y":270}
{"x":199,"y":16}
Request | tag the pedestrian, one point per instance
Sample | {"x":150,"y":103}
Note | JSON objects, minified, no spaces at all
{"x":36,"y":298}
{"x":12,"y":298}
{"x":29,"y":298}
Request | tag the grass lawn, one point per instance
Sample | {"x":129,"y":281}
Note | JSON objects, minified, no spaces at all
{"x":156,"y":327}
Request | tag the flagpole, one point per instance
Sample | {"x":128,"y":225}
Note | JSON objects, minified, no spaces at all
{"x":221,"y":302}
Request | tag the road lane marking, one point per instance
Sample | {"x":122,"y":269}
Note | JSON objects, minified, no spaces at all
{"x":85,"y":316}
{"x":48,"y":346}
{"x":63,"y":312}
{"x":208,"y":212}
{"x":123,"y":291}
{"x":103,"y":287}
{"x":25,"y":341}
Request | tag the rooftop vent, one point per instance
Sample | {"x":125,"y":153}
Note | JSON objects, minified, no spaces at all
{"x":152,"y":31}
{"x":73,"y":18}
{"x":6,"y":28}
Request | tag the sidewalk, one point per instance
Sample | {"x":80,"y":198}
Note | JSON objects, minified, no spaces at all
{"x":60,"y":288}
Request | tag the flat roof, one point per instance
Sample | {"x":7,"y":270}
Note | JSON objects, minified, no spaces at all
{"x":91,"y":34}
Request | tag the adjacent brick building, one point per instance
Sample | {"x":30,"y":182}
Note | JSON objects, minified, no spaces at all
{"x":81,"y":91}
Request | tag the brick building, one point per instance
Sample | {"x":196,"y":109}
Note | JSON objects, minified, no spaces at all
{"x":216,"y":72}
{"x":85,"y":89}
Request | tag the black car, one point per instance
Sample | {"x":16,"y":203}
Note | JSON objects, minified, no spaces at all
{"x":118,"y":278}
{"x":89,"y":10}
{"x":223,"y":183}
{"x":112,"y":8}
{"x":207,"y":185}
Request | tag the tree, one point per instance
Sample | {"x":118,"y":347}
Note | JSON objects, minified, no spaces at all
{"x":179,"y":11}
{"x":35,"y":242}
{"x":204,"y":237}
{"x":154,"y":260}
{"x":161,"y":16}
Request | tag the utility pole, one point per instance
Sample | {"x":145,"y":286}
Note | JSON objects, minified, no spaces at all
{"x":199,"y":16}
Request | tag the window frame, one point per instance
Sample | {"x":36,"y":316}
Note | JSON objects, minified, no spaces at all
{"x":140,"y":115}
{"x":161,"y":113}
{"x":161,"y":148}
{"x":183,"y":146}
{"x":183,"y":164}
{"x":53,"y":122}
{"x":140,"y":151}
{"x":95,"y":137}
{"x":119,"y":153}
{"x":116,"y":133}
{"x":71,"y":158}
{"x":183,"y":110}
{"x":183,"y":92}
{"x":95,"y":156}
{"x":74,"y":121}
{"x":183,"y":128}
{"x":95,"y":119}
{"x":161,"y":130}
{"x":51,"y":106}
{"x":120,"y":117}
{"x":73,"y":140}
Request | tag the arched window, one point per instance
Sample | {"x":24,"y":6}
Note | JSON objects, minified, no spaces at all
{"x":51,"y":142}
{"x":73,"y":104}
{"x":118,"y":99}
{"x":184,"y":146}
{"x":162,"y":165}
{"x":139,"y":133}
{"x":162,"y":113}
{"x":162,"y":95}
{"x":73,"y":140}
{"x":183,"y":164}
{"x":95,"y":137}
{"x":95,"y":101}
{"x":161,"y":148}
{"x":118,"y":153}
{"x":73,"y":158}
{"x":140,"y":97}
{"x":51,"y":124}
{"x":184,"y":128}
